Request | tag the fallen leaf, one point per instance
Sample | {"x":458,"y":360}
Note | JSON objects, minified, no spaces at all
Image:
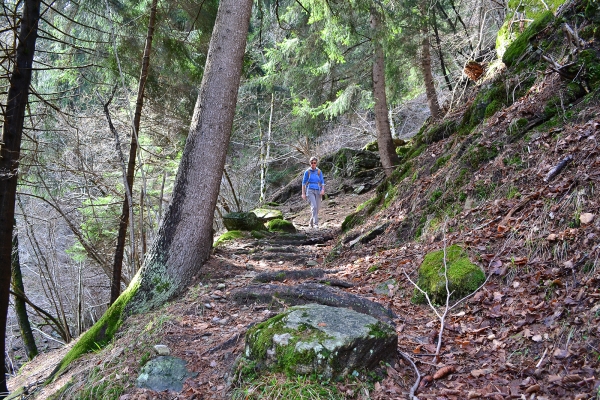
{"x":559,"y":353}
{"x":571,"y":378}
{"x":586,"y":218}
{"x":480,"y":372}
{"x":442,"y":372}
{"x":537,"y":338}
{"x":554,"y":378}
{"x":533,"y":389}
{"x":552,"y":237}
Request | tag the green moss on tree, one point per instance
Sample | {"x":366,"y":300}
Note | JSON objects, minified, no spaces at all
{"x":464,"y":277}
{"x":102,"y":332}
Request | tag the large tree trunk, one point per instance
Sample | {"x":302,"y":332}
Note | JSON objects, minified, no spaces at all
{"x":127,"y":211}
{"x":432,"y":100}
{"x":12,"y":132}
{"x":20,"y":305}
{"x":387,"y":150}
{"x":184,"y":240}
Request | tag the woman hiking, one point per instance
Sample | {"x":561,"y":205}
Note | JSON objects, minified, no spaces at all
{"x":313,"y":187}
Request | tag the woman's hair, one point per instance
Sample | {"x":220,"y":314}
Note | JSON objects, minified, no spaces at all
{"x":313,"y":159}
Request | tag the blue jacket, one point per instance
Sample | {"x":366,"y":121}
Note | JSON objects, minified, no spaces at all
{"x":314,"y":179}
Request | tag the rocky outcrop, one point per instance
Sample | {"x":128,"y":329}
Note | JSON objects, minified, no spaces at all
{"x":164,"y":373}
{"x":317,"y":339}
{"x":242,"y":221}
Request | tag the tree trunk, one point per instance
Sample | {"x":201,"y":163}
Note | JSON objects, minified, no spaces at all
{"x":432,"y":100}
{"x":387,"y":151}
{"x":127,"y":210}
{"x":20,"y":305}
{"x":184,"y":240}
{"x":265,"y":150}
{"x":12,"y":132}
{"x":440,"y":52}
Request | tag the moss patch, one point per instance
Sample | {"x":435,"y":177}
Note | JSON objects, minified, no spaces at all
{"x":464,"y":277}
{"x":280,"y":225}
{"x":480,"y":153}
{"x":230,"y":235}
{"x":518,"y":47}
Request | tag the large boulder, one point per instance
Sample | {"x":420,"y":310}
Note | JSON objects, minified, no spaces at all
{"x":164,"y":373}
{"x":350,"y":163}
{"x":322,"y":340}
{"x":242,"y":221}
{"x":266,"y":214}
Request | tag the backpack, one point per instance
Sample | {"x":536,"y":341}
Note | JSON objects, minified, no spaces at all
{"x":318,"y":174}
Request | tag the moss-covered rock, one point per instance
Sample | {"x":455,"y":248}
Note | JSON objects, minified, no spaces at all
{"x":242,"y":221}
{"x":319,"y":340}
{"x":265,"y":215}
{"x":464,"y":277}
{"x":229,"y":235}
{"x":351,"y":163}
{"x":281,"y":225}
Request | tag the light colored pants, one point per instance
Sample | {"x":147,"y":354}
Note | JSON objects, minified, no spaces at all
{"x":314,"y":198}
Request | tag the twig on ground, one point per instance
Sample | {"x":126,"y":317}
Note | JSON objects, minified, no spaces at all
{"x":415,"y":386}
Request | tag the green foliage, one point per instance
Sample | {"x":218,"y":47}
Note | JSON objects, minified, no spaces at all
{"x":439,"y":131}
{"x":517,"y":128}
{"x":483,"y":190}
{"x":276,"y":387}
{"x":490,"y":99}
{"x":100,"y":386}
{"x":440,"y":162}
{"x":588,"y":61}
{"x":362,"y":212}
{"x":464,"y":277}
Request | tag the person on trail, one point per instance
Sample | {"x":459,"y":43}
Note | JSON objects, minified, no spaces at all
{"x":313,"y":187}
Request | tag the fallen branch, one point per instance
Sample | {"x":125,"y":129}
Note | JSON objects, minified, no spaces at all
{"x":415,"y":386}
{"x":559,"y":167}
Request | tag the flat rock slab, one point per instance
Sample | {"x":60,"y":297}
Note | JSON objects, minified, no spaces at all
{"x":164,"y":373}
{"x":282,"y":275}
{"x":311,"y":293}
{"x":323,"y":340}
